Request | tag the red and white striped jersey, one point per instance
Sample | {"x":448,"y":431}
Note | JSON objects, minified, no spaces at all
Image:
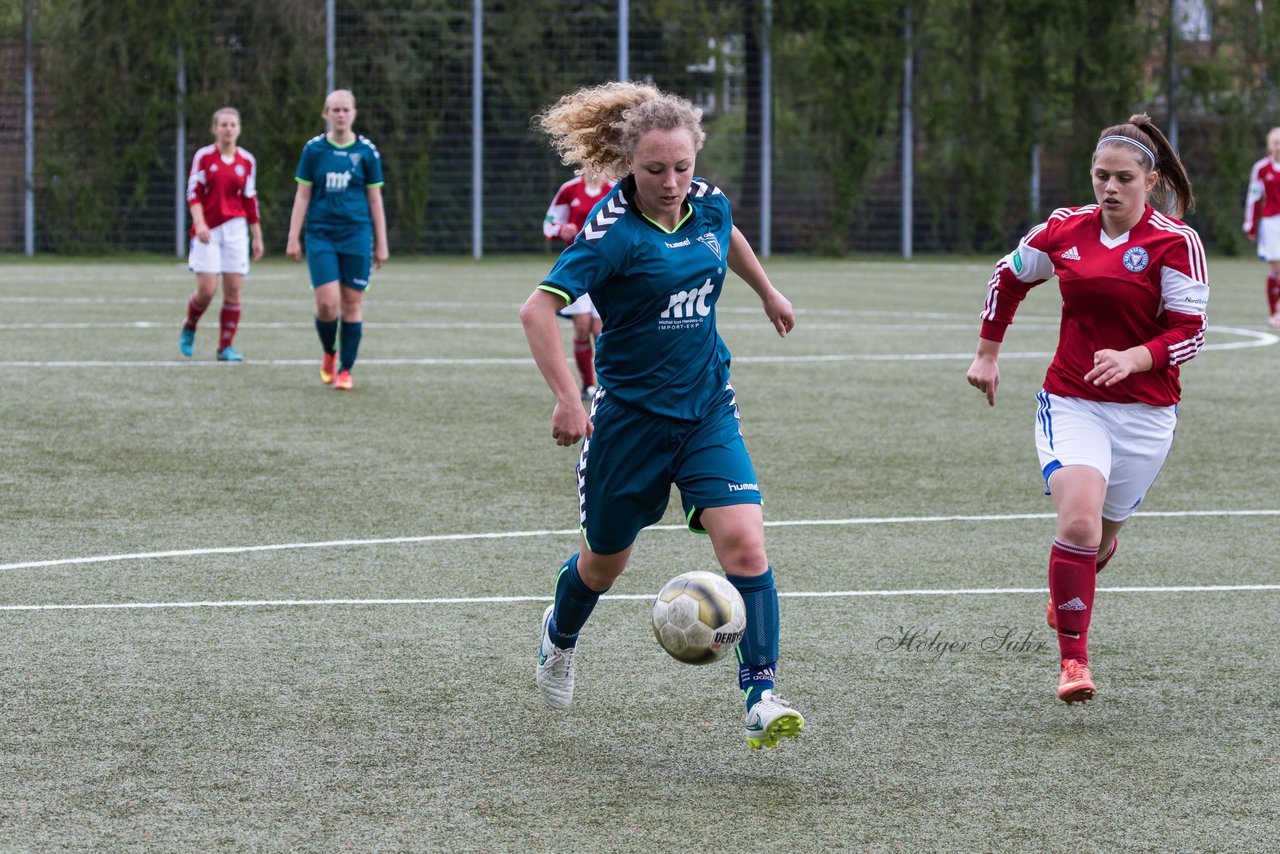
{"x":1148,"y":286}
{"x":225,"y":189}
{"x":571,"y":204}
{"x":1263,"y":198}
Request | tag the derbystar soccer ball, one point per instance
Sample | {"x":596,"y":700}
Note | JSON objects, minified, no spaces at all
{"x":698,"y":617}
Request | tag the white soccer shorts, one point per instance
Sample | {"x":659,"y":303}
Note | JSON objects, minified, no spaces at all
{"x":1127,"y":442}
{"x":1269,"y":238}
{"x":226,"y":252}
{"x":582,"y":305}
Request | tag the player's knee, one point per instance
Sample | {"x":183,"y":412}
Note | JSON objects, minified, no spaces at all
{"x":744,"y":555}
{"x":599,"y":572}
{"x":1081,"y":529}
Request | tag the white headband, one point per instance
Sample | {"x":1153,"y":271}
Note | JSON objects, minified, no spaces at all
{"x":1132,"y":142}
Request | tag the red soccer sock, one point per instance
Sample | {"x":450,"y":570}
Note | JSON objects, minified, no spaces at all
{"x":1273,"y":292}
{"x":586,"y":366}
{"x":194,"y":311}
{"x":229,"y":320}
{"x":1104,"y":559}
{"x":1072,"y":581}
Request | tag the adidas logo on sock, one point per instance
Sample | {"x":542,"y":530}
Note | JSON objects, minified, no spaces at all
{"x":1071,"y":254}
{"x":1073,"y":605}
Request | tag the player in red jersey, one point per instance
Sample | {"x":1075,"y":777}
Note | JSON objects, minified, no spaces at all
{"x":1262,"y":218}
{"x":223,"y":197}
{"x":1134,"y":293}
{"x":565,"y":218}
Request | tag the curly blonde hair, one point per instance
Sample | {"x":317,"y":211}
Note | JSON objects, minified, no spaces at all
{"x":596,"y":128}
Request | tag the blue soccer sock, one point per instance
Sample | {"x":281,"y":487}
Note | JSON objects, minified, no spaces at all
{"x":328,"y":331}
{"x":351,"y":333}
{"x":574,"y":603}
{"x":758,"y":651}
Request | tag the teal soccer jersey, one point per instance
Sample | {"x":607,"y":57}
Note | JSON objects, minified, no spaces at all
{"x":339,"y":176}
{"x":656,"y":293}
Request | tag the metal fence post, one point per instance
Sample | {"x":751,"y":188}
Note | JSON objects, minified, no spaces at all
{"x":179,"y":162}
{"x":29,"y":130}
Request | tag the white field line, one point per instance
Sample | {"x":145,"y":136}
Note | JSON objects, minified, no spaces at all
{"x":491,"y":600}
{"x":563,"y":532}
{"x":303,"y":303}
{"x":1253,"y":338}
{"x":168,"y":326}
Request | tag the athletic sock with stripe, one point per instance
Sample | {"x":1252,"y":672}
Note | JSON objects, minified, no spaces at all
{"x":1073,"y":577}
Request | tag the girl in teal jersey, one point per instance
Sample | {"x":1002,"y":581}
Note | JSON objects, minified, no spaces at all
{"x":653,"y":257}
{"x":339,"y":197}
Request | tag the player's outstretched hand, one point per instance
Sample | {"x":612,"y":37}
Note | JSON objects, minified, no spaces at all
{"x":568,"y":231}
{"x":569,"y":422}
{"x":778,"y":309}
{"x":1112,"y":366}
{"x":984,"y":375}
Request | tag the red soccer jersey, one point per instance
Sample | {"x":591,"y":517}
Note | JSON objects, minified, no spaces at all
{"x":1148,"y":286}
{"x":225,"y":189}
{"x":571,"y":205}
{"x":1263,"y":198}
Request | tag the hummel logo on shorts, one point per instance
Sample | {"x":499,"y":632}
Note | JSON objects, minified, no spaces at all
{"x":1071,"y":254}
{"x":1073,"y":605}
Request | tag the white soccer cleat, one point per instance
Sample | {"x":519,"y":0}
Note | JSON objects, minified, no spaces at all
{"x":554,"y":673}
{"x":770,"y":720}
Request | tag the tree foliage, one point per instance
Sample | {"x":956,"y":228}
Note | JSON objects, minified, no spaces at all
{"x":995,"y":82}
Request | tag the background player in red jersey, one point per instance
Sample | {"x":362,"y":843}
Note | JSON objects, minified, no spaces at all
{"x":1134,"y":294}
{"x":565,"y":218}
{"x":1262,"y":218}
{"x":222,"y":196}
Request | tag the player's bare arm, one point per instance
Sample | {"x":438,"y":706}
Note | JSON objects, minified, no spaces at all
{"x":377,"y":213}
{"x":301,"y":201}
{"x":984,"y":373}
{"x":569,"y":422}
{"x":743,"y":262}
{"x":255,"y":234}
{"x":1112,"y":366}
{"x":197,"y":222}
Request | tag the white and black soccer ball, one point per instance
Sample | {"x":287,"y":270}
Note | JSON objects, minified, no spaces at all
{"x":698,"y":617}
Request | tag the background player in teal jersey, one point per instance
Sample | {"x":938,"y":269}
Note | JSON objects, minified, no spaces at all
{"x":653,"y":256}
{"x":339,"y":196}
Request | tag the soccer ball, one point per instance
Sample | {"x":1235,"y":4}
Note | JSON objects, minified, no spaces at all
{"x":698,"y":617}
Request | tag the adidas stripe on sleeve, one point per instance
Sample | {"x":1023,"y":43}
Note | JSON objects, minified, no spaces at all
{"x":1015,"y":275}
{"x":1184,"y":294}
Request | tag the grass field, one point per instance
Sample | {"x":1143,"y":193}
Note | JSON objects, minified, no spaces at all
{"x":242,"y":611}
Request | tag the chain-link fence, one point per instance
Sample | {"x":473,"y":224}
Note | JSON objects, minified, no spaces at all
{"x":803,"y":105}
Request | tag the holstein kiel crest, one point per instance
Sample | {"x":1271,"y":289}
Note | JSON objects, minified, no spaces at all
{"x":709,"y":240}
{"x":1136,"y":259}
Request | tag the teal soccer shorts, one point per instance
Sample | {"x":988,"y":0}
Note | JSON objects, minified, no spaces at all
{"x":632,"y":458}
{"x":340,"y":257}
